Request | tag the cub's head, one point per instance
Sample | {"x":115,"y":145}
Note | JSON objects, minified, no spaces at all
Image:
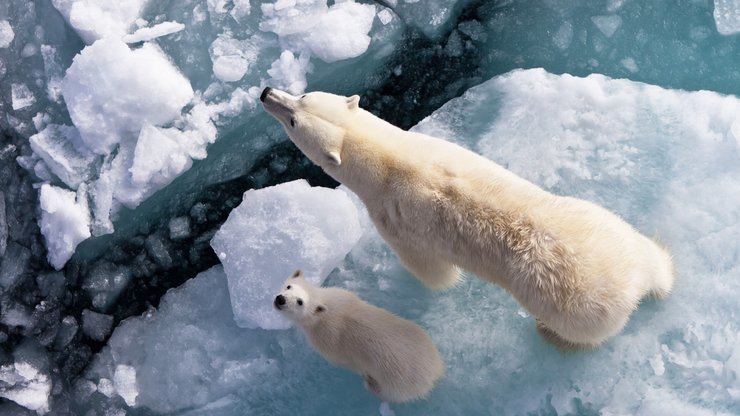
{"x":295,"y":300}
{"x":315,"y":121}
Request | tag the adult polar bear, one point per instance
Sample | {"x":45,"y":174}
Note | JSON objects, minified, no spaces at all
{"x":578,"y":268}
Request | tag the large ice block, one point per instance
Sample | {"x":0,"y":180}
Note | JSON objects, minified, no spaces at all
{"x":112,"y":91}
{"x":275,"y":231}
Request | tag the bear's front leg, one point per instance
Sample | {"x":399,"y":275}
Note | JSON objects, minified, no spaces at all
{"x":433,"y":271}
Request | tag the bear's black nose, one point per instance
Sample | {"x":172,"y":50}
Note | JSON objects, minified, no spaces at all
{"x":264,"y":93}
{"x":279,"y":301}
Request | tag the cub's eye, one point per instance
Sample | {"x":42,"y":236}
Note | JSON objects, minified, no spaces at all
{"x":300,"y":302}
{"x":287,"y":287}
{"x":292,"y":122}
{"x":303,"y":96}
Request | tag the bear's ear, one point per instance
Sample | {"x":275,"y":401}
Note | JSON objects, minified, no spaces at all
{"x":353,"y":102}
{"x":319,"y":309}
{"x":334,"y":158}
{"x":296,"y":273}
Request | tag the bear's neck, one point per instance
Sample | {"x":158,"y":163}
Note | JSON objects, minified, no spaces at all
{"x":371,"y":155}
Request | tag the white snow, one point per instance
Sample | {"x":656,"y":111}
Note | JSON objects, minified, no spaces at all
{"x":275,"y":231}
{"x":6,"y":34}
{"x":94,"y":20}
{"x":145,"y":34}
{"x":112,"y":91}
{"x":727,"y":16}
{"x":64,"y":222}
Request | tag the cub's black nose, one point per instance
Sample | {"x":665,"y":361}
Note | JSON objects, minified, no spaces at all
{"x":279,"y":301}
{"x":264,"y":93}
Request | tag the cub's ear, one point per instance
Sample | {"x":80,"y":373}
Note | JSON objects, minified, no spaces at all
{"x":319,"y":309}
{"x":297,"y":273}
{"x":353,"y":102}
{"x":334,"y":158}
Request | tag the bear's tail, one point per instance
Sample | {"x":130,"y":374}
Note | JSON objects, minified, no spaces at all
{"x":663,"y":273}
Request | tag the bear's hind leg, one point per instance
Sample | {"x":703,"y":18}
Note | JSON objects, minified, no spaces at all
{"x":560,"y":343}
{"x":435,"y":273}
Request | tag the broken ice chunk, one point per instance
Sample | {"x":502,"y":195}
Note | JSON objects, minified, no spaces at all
{"x":148,"y":33}
{"x":6,"y":34}
{"x":342,"y":33}
{"x":26,"y":385}
{"x":607,"y":24}
{"x":231,"y":57}
{"x":276,"y":230}
{"x":727,"y":16}
{"x":65,"y":222}
{"x":64,"y":153}
{"x":147,"y":87}
{"x":22,"y":97}
{"x":124,"y":381}
{"x":179,"y":228}
{"x":94,"y":20}
{"x":95,"y":325}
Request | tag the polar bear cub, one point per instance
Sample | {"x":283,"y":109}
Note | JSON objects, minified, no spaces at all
{"x":395,"y":357}
{"x":578,"y":268}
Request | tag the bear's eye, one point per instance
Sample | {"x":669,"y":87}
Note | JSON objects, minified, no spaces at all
{"x":300,"y":302}
{"x":292,"y":122}
{"x":303,"y":96}
{"x":287,"y":287}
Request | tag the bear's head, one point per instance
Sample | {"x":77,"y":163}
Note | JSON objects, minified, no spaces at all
{"x":296,"y":301}
{"x":315,"y":121}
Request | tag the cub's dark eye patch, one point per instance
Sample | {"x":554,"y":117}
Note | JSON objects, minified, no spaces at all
{"x":292,"y":122}
{"x":287,"y":287}
{"x":300,"y":302}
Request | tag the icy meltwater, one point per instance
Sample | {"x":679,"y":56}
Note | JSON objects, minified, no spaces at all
{"x":132,"y":129}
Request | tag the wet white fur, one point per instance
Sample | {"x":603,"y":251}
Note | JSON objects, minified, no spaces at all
{"x":395,"y":357}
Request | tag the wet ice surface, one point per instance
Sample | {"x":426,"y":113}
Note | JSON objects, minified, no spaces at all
{"x":177,"y":152}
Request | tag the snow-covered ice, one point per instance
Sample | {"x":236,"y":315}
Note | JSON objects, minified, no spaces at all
{"x":95,"y":20}
{"x":6,"y":34}
{"x":275,"y":231}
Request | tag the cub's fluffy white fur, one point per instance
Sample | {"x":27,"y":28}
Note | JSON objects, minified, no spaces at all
{"x":578,"y":268}
{"x":395,"y":357}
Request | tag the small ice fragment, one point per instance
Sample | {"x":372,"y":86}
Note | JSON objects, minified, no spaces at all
{"x":26,"y":385}
{"x":22,"y":97}
{"x":629,"y":64}
{"x":385,"y":410}
{"x":105,"y":386}
{"x":124,"y":381}
{"x":95,"y":325}
{"x":65,"y":222}
{"x":179,"y":228}
{"x":6,"y":34}
{"x":385,"y":16}
{"x":727,"y":16}
{"x":607,"y":24}
{"x":148,"y":33}
{"x":564,"y":36}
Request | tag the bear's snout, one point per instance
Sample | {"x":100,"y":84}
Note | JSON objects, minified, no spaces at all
{"x":264,"y":93}
{"x":279,"y":301}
